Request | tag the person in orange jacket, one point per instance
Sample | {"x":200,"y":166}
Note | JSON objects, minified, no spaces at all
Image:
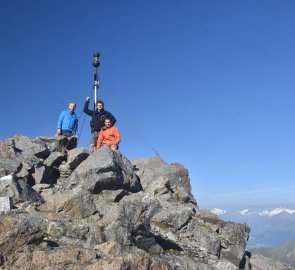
{"x":110,"y":136}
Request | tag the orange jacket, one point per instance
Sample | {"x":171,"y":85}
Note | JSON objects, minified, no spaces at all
{"x":110,"y":136}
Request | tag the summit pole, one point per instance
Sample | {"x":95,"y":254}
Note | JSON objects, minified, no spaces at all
{"x":96,"y":64}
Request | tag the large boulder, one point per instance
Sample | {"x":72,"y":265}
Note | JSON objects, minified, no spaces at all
{"x":7,"y":149}
{"x":104,"y":169}
{"x":17,"y":232}
{"x":27,"y":151}
{"x":76,"y":204}
{"x":9,"y":166}
{"x":76,"y":156}
{"x":54,"y":159}
{"x":35,"y":147}
{"x":41,"y":174}
{"x":19,"y":191}
{"x":56,"y":258}
{"x":169,"y":181}
{"x":233,"y":236}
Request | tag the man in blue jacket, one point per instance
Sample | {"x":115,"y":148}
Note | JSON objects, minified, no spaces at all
{"x":97,"y":122}
{"x":67,"y":124}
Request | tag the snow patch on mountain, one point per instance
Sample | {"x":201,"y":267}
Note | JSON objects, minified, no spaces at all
{"x":276,"y":211}
{"x":218,"y":211}
{"x":247,"y":212}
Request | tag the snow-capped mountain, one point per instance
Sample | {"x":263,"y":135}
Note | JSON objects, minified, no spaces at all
{"x":269,"y":227}
{"x":276,"y":211}
{"x":247,"y":212}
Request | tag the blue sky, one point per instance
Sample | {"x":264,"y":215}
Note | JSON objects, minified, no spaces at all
{"x":209,"y":84}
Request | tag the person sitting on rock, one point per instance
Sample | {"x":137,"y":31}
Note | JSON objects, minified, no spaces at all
{"x":97,"y":122}
{"x":109,"y":135}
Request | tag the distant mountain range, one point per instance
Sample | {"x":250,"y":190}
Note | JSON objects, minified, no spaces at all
{"x":269,"y":227}
{"x":284,"y":253}
{"x":247,"y":212}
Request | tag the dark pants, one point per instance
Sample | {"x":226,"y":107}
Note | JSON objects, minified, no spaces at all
{"x":71,"y":141}
{"x":66,"y":133}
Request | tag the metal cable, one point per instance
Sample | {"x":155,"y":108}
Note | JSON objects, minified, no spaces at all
{"x":136,"y":129}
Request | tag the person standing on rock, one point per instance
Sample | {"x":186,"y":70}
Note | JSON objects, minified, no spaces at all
{"x":98,"y":120}
{"x":67,"y":124}
{"x":109,"y":135}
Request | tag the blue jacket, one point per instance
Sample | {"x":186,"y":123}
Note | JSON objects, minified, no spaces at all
{"x":68,"y":122}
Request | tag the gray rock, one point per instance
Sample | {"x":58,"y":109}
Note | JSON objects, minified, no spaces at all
{"x":39,"y":187}
{"x":54,"y":159}
{"x":38,"y":174}
{"x":111,"y":195}
{"x":10,"y":187}
{"x":175,"y":217}
{"x":25,"y":171}
{"x":236,"y":236}
{"x":118,"y":232}
{"x":112,"y":248}
{"x":35,"y":147}
{"x":28,"y":159}
{"x":43,"y":175}
{"x":245,"y":263}
{"x":198,"y":236}
{"x":6,"y":204}
{"x":170,"y":181}
{"x":139,"y":208}
{"x":104,"y":169}
{"x":65,"y":171}
{"x":7,"y":149}
{"x":224,"y":265}
{"x":185,"y":263}
{"x":127,"y":222}
{"x":52,"y":143}
{"x":233,"y":236}
{"x":79,"y":206}
{"x":94,"y":236}
{"x":8,"y":166}
{"x":57,"y":258}
{"x":108,"y":211}
{"x":18,"y":232}
{"x":63,"y":144}
{"x":18,"y":190}
{"x":76,"y":156}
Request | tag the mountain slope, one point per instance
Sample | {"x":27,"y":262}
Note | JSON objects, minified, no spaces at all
{"x":284,"y":253}
{"x":269,"y":227}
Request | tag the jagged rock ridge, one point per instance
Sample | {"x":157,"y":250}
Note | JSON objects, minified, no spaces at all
{"x":75,"y":210}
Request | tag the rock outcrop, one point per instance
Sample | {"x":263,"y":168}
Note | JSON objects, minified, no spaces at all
{"x":79,"y":210}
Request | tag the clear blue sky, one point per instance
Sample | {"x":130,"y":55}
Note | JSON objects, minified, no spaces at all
{"x":209,"y":84}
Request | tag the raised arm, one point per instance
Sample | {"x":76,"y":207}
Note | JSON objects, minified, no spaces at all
{"x":86,"y":108}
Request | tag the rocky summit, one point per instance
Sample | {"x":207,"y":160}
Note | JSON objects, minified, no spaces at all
{"x":64,"y":208}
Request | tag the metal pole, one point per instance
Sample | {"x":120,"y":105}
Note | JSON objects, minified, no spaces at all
{"x":96,"y":64}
